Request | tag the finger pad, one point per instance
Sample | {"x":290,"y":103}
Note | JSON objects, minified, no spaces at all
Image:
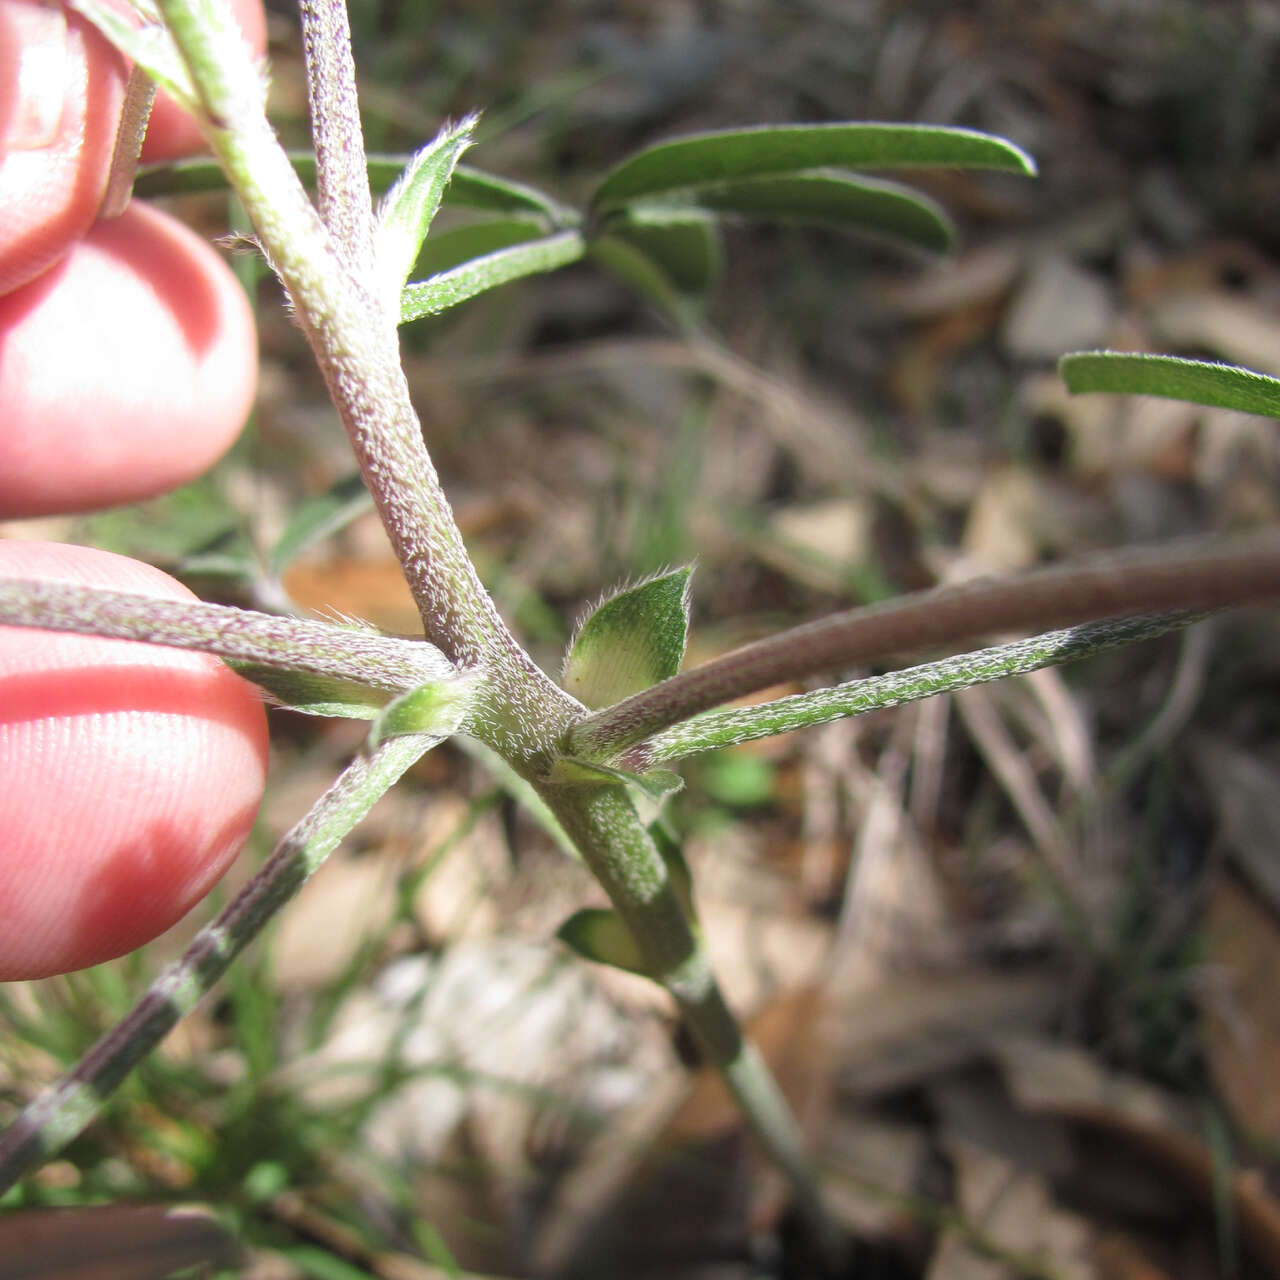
{"x":133,"y":774}
{"x":126,"y":370}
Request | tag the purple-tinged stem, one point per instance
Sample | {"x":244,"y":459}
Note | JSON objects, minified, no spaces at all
{"x":1192,"y":575}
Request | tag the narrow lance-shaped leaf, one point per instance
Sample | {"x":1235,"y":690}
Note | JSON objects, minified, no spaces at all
{"x":713,"y":730}
{"x":66,"y":1109}
{"x":775,"y":149}
{"x":681,"y":239}
{"x":469,"y":188}
{"x":448,"y":249}
{"x":449,"y":288}
{"x":631,"y":640}
{"x":1224,"y":386}
{"x":627,"y":260}
{"x":843,"y":201}
{"x":407,"y":210}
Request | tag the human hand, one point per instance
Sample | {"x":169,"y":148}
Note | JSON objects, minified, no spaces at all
{"x":131,"y":773}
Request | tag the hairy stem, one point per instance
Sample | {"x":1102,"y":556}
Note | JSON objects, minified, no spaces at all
{"x":358,"y":355}
{"x":63,"y":1111}
{"x":1189,"y":576}
{"x":322,"y":648}
{"x":342,"y":180}
{"x":621,"y":854}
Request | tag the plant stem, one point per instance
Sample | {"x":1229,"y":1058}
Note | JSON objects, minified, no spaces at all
{"x":621,"y":854}
{"x":322,"y":648}
{"x":1194,"y":575}
{"x":342,"y":180}
{"x":358,"y":355}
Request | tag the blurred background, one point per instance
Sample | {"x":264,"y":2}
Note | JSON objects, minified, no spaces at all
{"x":1012,"y":952}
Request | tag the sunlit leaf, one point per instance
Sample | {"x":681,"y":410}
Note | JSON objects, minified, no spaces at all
{"x":706,"y":158}
{"x":407,"y":210}
{"x":437,"y":708}
{"x":149,"y":45}
{"x":1224,"y":386}
{"x":449,"y":288}
{"x":444,"y":250}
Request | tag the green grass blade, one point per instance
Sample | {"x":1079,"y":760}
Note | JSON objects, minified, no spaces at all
{"x":845,"y":202}
{"x":449,"y":288}
{"x":67,"y":1108}
{"x":706,"y":158}
{"x":1223,"y":386}
{"x":716,"y":729}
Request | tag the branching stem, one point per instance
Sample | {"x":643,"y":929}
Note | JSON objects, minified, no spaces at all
{"x":1188,"y":576}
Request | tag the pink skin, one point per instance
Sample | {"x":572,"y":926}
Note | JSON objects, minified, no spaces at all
{"x":131,"y":773}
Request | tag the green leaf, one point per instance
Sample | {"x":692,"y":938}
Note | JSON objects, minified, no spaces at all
{"x":631,"y":264}
{"x":844,"y":201}
{"x":630,"y":641}
{"x":598,"y":934}
{"x":448,"y":249}
{"x":475,"y":189}
{"x":437,"y":708}
{"x":705,"y":158}
{"x":150,"y":46}
{"x":318,"y":517}
{"x":1224,"y":386}
{"x":449,"y":288}
{"x":683,"y":241}
{"x":407,"y":210}
{"x":314,"y":695}
{"x":655,"y":785}
{"x":469,"y":188}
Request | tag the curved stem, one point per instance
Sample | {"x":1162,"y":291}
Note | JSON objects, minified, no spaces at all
{"x":1187,"y":576}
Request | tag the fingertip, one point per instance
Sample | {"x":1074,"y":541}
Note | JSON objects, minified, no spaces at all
{"x":126,"y":370}
{"x":132,"y":774}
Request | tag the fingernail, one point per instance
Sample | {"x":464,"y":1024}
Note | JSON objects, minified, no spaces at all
{"x":33,"y":53}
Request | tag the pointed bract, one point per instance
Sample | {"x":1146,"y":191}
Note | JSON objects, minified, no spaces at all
{"x":407,"y":210}
{"x":631,"y":640}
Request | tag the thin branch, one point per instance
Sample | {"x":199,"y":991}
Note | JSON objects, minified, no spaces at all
{"x":715,"y":729}
{"x":66,"y":1109}
{"x":321,"y":648}
{"x":359,"y":357}
{"x":1196,"y":575}
{"x":342,"y":181}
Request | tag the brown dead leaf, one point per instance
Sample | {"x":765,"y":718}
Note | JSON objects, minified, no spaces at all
{"x":1242,"y":1016}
